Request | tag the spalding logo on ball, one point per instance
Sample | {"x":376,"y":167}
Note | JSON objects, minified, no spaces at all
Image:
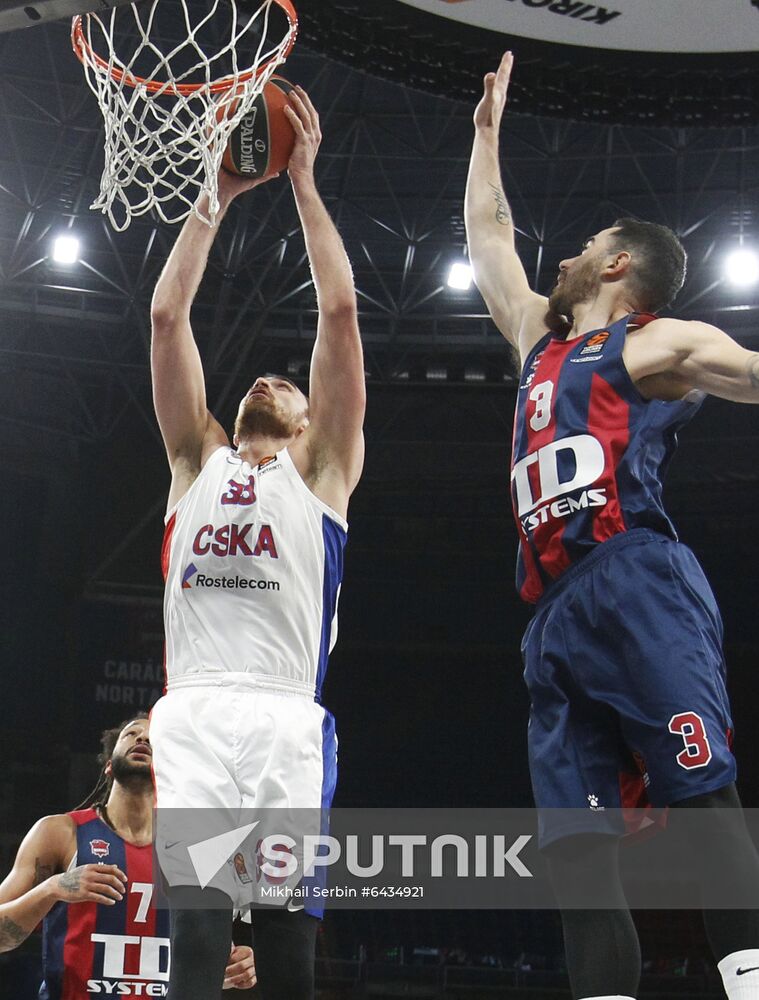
{"x":263,"y":141}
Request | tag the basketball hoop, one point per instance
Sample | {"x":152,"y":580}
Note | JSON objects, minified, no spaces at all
{"x":169,"y":107}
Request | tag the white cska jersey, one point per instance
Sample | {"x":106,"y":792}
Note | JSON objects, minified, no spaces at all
{"x":253,"y":563}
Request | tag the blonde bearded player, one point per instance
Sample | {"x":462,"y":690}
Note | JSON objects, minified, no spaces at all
{"x":253,"y":561}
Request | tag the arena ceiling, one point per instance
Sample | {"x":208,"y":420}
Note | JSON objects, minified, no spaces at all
{"x":625,"y":26}
{"x":626,"y":61}
{"x":396,"y":107}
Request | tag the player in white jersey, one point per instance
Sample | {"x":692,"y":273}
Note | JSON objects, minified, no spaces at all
{"x":252,"y":559}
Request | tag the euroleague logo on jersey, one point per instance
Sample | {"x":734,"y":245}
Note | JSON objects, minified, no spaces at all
{"x":592,"y":349}
{"x":569,"y":465}
{"x":241,"y":869}
{"x":595,"y":343}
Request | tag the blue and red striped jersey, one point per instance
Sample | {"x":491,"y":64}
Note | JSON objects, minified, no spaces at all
{"x":589,"y":452}
{"x":92,"y":949}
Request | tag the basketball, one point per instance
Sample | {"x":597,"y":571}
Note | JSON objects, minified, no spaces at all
{"x":263,"y":141}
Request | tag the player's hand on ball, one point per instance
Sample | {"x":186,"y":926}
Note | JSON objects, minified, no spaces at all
{"x":240,"y":973}
{"x":91,"y":884}
{"x":230,"y":185}
{"x":304,"y":119}
{"x":489,"y":111}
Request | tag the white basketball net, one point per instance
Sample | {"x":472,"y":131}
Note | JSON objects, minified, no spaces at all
{"x":163,"y":146}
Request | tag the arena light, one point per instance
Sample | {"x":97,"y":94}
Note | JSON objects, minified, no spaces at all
{"x":742,"y":267}
{"x":460,"y":276}
{"x":436,"y":373}
{"x":66,"y":249}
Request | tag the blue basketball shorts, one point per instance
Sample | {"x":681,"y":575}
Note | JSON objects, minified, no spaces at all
{"x":624,"y":666}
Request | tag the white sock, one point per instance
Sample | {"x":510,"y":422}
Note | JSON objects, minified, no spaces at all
{"x":740,"y":974}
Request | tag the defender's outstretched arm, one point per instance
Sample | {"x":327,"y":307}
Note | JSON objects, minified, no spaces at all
{"x":517,"y":311}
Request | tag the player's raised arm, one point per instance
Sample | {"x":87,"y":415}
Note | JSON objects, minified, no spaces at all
{"x":189,"y":431}
{"x":36,"y":882}
{"x":334,"y":439}
{"x":179,"y":393}
{"x":518,"y":312}
{"x":668,"y":357}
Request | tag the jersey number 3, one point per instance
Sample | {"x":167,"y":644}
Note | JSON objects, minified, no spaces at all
{"x":541,"y":396}
{"x":697,"y":752}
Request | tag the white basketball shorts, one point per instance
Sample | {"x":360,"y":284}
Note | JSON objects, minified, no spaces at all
{"x":225,"y":746}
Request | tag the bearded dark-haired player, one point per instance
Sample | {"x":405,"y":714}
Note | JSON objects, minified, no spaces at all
{"x":252,"y":558}
{"x":623,"y":657}
{"x":88,"y":876}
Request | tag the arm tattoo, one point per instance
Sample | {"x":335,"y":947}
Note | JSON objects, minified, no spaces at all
{"x":70,"y":881}
{"x":753,"y":371}
{"x":11,"y":935}
{"x":502,"y":212}
{"x":41,"y":872}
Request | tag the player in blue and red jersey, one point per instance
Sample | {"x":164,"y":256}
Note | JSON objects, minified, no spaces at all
{"x":88,"y":876}
{"x":623,"y":658}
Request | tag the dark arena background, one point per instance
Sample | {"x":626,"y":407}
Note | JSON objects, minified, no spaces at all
{"x":605,"y":118}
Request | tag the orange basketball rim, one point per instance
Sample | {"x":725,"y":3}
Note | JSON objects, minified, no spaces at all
{"x":86,"y":55}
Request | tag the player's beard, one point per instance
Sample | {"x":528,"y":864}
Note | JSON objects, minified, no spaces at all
{"x":264,"y":418}
{"x":580,"y":285}
{"x":131,"y":775}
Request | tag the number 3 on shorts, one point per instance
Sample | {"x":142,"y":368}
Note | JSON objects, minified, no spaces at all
{"x":697,"y":752}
